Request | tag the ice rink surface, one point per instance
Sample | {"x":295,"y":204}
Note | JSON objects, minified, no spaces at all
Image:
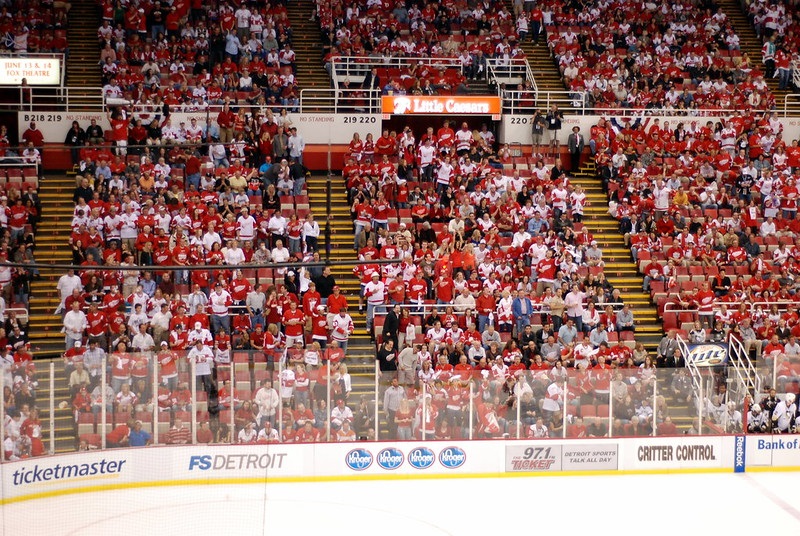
{"x":653,"y":504}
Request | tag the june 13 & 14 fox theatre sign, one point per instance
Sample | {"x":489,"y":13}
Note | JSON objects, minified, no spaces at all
{"x":456,"y":104}
{"x":36,"y":71}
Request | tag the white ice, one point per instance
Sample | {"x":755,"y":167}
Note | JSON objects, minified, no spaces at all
{"x":644,"y":504}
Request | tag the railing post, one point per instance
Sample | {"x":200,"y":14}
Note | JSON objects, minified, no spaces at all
{"x":193,"y":374}
{"x":424,"y":409}
{"x":328,"y":397}
{"x":655,"y":407}
{"x":280,"y":397}
{"x":610,"y":408}
{"x":232,"y":410}
{"x":3,"y":408}
{"x":155,"y":399}
{"x":564,"y":410}
{"x":519,"y":417}
{"x":52,"y":407}
{"x":103,"y":402}
{"x":700,"y":403}
{"x":471,"y":409}
{"x":377,"y":415}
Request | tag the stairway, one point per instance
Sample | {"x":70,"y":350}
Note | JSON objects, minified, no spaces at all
{"x":545,"y":73}
{"x":52,"y":236}
{"x":84,"y":54}
{"x":307,"y":45}
{"x":623,"y":273}
{"x":360,"y":350}
{"x":64,"y":420}
{"x":750,"y":42}
{"x":620,"y":269}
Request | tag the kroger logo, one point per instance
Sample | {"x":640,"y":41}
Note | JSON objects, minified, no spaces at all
{"x":421,"y":458}
{"x":452,"y":457}
{"x":358,"y":459}
{"x":390,"y":458}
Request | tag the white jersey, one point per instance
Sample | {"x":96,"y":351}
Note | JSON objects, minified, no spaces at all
{"x":342,"y":327}
{"x":784,"y":415}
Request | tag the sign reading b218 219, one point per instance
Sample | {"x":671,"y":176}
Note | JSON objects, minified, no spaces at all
{"x":533,"y":458}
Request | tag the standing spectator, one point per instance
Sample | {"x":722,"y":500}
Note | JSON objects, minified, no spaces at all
{"x":74,"y":325}
{"x":94,"y":134}
{"x":75,"y":140}
{"x":392,"y":398}
{"x":342,"y":327}
{"x":553,"y":119}
{"x":296,"y":145}
{"x":33,"y":136}
{"x":375,"y":292}
{"x":575,"y":145}
{"x":387,"y":362}
{"x":203,"y":358}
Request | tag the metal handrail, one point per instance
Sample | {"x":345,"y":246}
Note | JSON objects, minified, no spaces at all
{"x":745,"y":372}
{"x":90,"y":99}
{"x":341,"y":100}
{"x":515,"y":71}
{"x":348,"y":67}
{"x":717,"y":306}
{"x":516,"y":101}
{"x":694,"y":370}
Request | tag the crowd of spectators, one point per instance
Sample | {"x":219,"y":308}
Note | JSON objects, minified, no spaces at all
{"x":494,"y":278}
{"x":467,"y":35}
{"x":682,"y":57}
{"x":191,"y":57}
{"x":34,"y":27}
{"x":20,"y":210}
{"x":709,"y":210}
{"x":215,"y":209}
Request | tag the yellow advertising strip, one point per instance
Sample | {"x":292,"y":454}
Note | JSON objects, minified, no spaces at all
{"x":372,"y":478}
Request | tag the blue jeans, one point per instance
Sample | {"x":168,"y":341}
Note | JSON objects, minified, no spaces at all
{"x":483,"y":321}
{"x":298,"y":185}
{"x":218,"y":322}
{"x":371,"y":313}
{"x":521,"y":322}
{"x":359,"y":228}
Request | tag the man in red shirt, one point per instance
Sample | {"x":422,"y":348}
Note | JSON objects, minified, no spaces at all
{"x":225,"y":120}
{"x":97,"y":325}
{"x":33,"y":135}
{"x":294,"y":322}
{"x":336,"y":301}
{"x":485,"y":305}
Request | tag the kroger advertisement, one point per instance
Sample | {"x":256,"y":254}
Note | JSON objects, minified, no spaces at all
{"x":405,"y":458}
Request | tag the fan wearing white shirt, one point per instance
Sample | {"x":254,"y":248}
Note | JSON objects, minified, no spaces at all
{"x":277,"y":226}
{"x":246,"y":225}
{"x":310,"y":233}
{"x":211,"y":237}
{"x":233,"y":254}
{"x":280,"y":254}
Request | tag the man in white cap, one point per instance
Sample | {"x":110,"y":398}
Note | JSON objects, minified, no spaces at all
{"x":75,"y":324}
{"x":375,"y":293}
{"x":203,"y":358}
{"x":199,"y":333}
